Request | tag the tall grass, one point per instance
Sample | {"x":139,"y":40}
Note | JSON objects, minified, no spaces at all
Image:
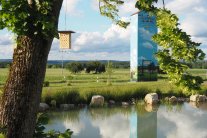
{"x":83,"y":86}
{"x":119,"y":93}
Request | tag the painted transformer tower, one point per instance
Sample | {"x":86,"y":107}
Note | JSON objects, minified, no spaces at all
{"x":143,"y":64}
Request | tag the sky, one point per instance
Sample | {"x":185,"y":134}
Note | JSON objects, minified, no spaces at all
{"x":97,"y":38}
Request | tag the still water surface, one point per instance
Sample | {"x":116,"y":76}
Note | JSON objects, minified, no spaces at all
{"x":166,"y":121}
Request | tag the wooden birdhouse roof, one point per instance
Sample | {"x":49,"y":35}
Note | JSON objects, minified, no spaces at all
{"x":66,"y":31}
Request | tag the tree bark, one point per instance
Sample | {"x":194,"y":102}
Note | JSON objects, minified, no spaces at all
{"x":22,"y":91}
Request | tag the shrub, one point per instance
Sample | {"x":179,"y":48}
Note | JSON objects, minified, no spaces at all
{"x":46,"y":84}
{"x":74,"y":67}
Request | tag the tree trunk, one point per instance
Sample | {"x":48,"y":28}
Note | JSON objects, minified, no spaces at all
{"x":23,"y":88}
{"x":22,"y":91}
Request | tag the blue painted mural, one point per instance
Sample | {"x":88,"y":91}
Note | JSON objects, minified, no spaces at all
{"x":143,"y":62}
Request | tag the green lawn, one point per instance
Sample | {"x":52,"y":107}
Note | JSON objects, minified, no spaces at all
{"x":3,"y":75}
{"x":83,"y":86}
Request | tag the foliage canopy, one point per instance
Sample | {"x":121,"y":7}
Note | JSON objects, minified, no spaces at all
{"x":177,"y":47}
{"x":19,"y":17}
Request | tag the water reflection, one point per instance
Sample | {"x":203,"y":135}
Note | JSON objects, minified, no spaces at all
{"x":183,"y":122}
{"x":141,"y":121}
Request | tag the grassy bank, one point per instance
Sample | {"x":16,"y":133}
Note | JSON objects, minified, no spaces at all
{"x":119,"y":93}
{"x":79,"y":88}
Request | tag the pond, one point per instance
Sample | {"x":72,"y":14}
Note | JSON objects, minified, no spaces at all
{"x":188,"y":120}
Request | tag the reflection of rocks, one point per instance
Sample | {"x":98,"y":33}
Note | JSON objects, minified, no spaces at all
{"x":151,"y":108}
{"x":194,"y":104}
{"x":151,"y":98}
{"x":43,"y":107}
{"x":173,"y":99}
{"x":97,"y":100}
{"x":197,"y":98}
{"x":66,"y":106}
{"x":181,"y":100}
{"x":107,"y":112}
{"x":202,"y":105}
{"x":201,"y":98}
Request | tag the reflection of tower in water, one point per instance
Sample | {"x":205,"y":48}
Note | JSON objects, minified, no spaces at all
{"x":144,"y":124}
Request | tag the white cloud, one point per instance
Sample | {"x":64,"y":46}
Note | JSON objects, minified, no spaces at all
{"x":115,"y":32}
{"x":193,"y":17}
{"x":200,"y":9}
{"x":111,"y":44}
{"x":182,"y":6}
{"x":6,"y":46}
{"x":95,"y":5}
{"x":70,"y":6}
{"x":194,"y":27}
{"x":128,"y":8}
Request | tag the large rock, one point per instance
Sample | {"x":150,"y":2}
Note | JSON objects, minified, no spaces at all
{"x":43,"y":107}
{"x":97,"y":100}
{"x":197,"y":98}
{"x":203,"y":106}
{"x":201,"y":98}
{"x":173,"y":99}
{"x":151,"y":98}
{"x":166,"y":99}
{"x":66,"y":106}
{"x":112,"y":102}
{"x":194,"y":98}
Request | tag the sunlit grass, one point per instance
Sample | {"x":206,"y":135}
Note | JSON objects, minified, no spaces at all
{"x":83,"y":86}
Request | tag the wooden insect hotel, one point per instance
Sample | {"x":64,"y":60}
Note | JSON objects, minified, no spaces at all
{"x":65,"y":39}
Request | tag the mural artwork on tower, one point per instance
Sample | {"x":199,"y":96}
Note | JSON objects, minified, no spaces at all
{"x":143,"y":63}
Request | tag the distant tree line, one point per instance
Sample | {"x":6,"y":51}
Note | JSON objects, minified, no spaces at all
{"x":53,"y":66}
{"x":116,"y":64}
{"x":93,"y":66}
{"x":198,"y":65}
{"x":5,"y":64}
{"x":121,"y":64}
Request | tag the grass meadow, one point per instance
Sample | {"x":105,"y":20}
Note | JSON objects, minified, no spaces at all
{"x":79,"y":88}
